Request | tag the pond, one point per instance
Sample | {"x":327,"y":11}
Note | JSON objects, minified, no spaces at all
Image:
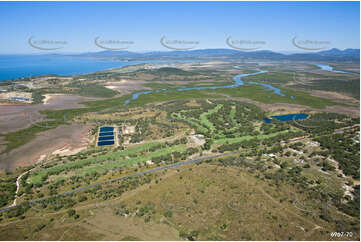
{"x":102,"y":138}
{"x":106,"y":129}
{"x":287,"y":117}
{"x":102,"y":143}
{"x":106,"y":133}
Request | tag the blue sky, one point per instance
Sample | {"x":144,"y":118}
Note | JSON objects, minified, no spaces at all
{"x":209,"y":23}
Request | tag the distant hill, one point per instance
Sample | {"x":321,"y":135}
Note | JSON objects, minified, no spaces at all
{"x":326,"y":55}
{"x":337,"y":52}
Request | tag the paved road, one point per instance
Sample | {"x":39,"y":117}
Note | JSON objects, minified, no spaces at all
{"x":122,"y":178}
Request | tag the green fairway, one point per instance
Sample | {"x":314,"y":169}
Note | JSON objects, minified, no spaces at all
{"x":131,"y":161}
{"x":248,"y":137}
{"x":205,"y":121}
{"x":38,"y":176}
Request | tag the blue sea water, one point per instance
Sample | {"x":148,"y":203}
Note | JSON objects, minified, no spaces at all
{"x":17,"y":66}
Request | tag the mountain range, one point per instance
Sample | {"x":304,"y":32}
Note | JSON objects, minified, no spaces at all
{"x":326,"y":55}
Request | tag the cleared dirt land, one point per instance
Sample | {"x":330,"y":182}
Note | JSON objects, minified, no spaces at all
{"x":17,"y":116}
{"x":69,"y":137}
{"x":63,"y":138}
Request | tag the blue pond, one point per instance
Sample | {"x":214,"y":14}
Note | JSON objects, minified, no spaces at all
{"x":102,"y":143}
{"x":106,"y":129}
{"x":102,"y":138}
{"x":106,"y":133}
{"x":287,"y":117}
{"x":106,"y":136}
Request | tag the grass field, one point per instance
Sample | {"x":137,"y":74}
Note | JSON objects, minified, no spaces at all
{"x":39,"y":176}
{"x":131,"y":161}
{"x":271,"y":77}
{"x":196,"y":202}
{"x":93,"y":90}
{"x":249,"y":137}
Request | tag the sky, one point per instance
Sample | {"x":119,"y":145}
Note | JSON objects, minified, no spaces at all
{"x":73,"y":26}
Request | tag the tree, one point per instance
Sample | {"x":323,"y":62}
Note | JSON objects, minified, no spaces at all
{"x":71,"y":212}
{"x":284,"y":165}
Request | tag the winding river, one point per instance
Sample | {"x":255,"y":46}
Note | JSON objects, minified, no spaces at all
{"x":237,"y":82}
{"x":330,"y":68}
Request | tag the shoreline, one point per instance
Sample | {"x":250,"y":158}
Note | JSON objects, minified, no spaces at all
{"x":140,"y":62}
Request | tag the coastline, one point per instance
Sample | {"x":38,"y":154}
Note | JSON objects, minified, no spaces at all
{"x":92,"y":61}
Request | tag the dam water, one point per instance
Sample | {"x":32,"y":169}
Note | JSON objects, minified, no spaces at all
{"x":287,"y":117}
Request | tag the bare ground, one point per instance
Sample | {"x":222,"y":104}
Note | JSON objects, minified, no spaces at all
{"x":15,"y":117}
{"x":126,"y":86}
{"x":335,"y":96}
{"x":65,"y":137}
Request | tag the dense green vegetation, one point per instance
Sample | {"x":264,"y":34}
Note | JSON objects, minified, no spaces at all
{"x":170,"y":71}
{"x":345,"y":151}
{"x":7,"y":189}
{"x":348,"y":87}
{"x":272,"y":77}
{"x":339,"y":143}
{"x":21,"y":137}
{"x":352,"y":207}
{"x":156,"y":85}
{"x":37,"y":96}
